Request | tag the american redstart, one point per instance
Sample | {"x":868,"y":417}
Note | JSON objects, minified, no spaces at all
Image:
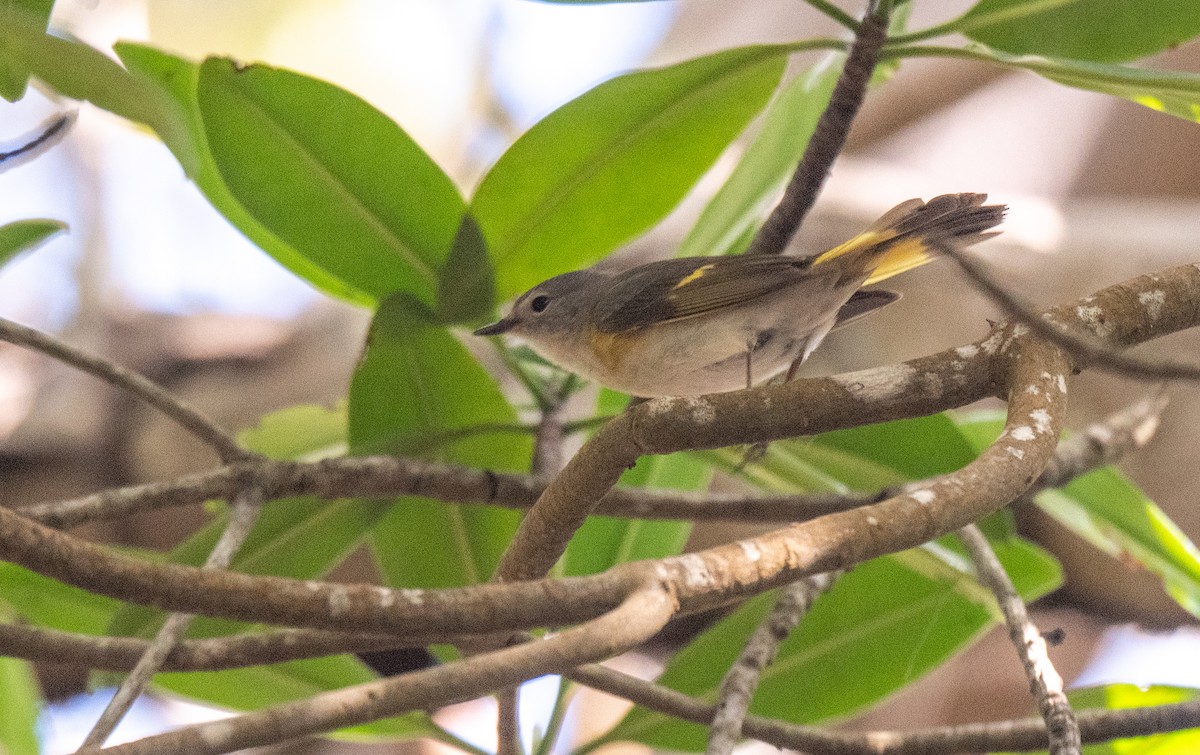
{"x":707,"y":324}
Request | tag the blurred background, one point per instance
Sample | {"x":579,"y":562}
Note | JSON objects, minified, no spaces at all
{"x":1100,"y":190}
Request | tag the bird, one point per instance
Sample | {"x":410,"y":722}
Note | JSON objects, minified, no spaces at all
{"x":697,"y":325}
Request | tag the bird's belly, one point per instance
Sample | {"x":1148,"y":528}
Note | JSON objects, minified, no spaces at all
{"x":698,"y":355}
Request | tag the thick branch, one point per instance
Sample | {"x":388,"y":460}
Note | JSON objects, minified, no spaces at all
{"x":387,"y":476}
{"x":1033,"y":369}
{"x":922,"y":386}
{"x":1085,"y":335}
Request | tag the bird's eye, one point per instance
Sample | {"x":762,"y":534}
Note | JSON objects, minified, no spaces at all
{"x":539,"y":303}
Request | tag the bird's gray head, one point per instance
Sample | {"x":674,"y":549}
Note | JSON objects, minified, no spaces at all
{"x":551,"y":308}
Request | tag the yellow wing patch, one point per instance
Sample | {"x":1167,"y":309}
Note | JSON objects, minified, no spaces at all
{"x":694,"y":275}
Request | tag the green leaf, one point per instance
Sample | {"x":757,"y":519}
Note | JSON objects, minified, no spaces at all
{"x":330,"y":175}
{"x":606,"y":166}
{"x":916,"y":448}
{"x":1105,"y":508}
{"x":33,"y":14}
{"x":304,"y":431}
{"x":1097,"y":30}
{"x":603,"y":542}
{"x":49,"y":603}
{"x":22,"y":699}
{"x":176,"y":79}
{"x":24,"y":235}
{"x":258,"y":687}
{"x":738,"y":206}
{"x":882,"y":626}
{"x":1175,"y":93}
{"x":418,"y":391}
{"x":466,"y":284}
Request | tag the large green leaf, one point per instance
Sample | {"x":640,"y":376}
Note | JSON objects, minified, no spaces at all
{"x":1111,"y":513}
{"x":32,"y":14}
{"x":738,"y":206}
{"x":417,"y":391}
{"x":23,"y":235}
{"x":176,"y":79}
{"x":608,"y":165}
{"x":1097,"y":30}
{"x":330,"y":175}
{"x":1175,"y":93}
{"x":882,"y":626}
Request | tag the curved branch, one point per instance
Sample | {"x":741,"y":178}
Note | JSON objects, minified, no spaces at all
{"x":922,"y":386}
{"x":387,"y":476}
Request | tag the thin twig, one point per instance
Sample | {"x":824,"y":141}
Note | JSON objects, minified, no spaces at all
{"x":1044,"y":681}
{"x":1027,"y":734}
{"x":508,"y":722}
{"x":737,"y":688}
{"x":828,"y":137}
{"x":243,"y":515}
{"x":189,"y":418}
{"x":1085,"y":350}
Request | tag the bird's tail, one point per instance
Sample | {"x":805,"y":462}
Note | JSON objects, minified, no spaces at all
{"x":909,"y":234}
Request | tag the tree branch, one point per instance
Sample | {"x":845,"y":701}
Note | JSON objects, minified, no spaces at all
{"x":829,"y":136}
{"x":1085,"y":351}
{"x":390,"y":476}
{"x":635,"y":620}
{"x":244,"y":513}
{"x":1018,"y":735}
{"x":1044,"y":681}
{"x":740,"y":682}
{"x":187,"y":417}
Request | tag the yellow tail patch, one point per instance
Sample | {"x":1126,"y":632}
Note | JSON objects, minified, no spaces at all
{"x":892,"y":256}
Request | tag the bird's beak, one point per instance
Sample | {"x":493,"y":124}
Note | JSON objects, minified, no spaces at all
{"x":497,"y":328}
